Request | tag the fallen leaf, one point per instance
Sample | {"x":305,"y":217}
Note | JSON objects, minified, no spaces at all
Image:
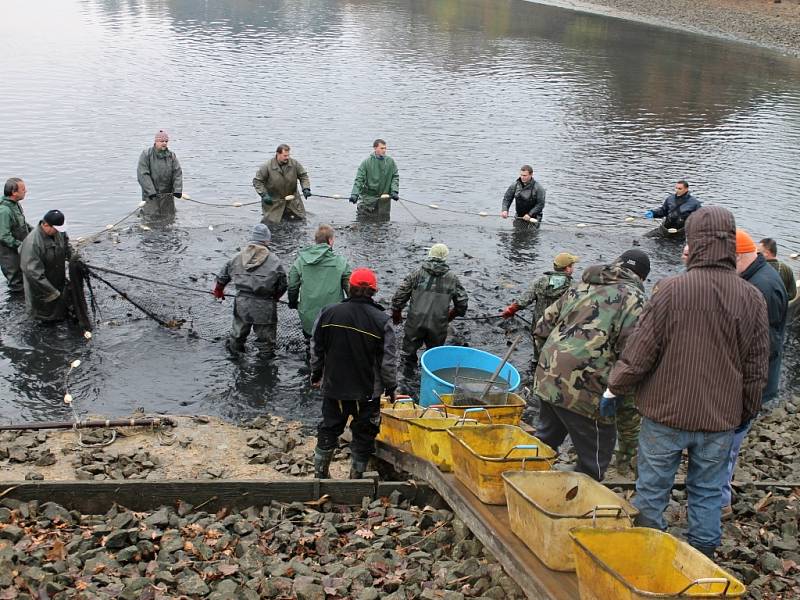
{"x":365,"y":533}
{"x":228,"y":569}
{"x":571,"y":493}
{"x":319,"y":502}
{"x":56,"y":552}
{"x":762,"y":504}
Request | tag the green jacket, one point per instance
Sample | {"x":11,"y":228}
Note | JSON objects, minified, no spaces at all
{"x":431,"y":289}
{"x":159,"y":172}
{"x":376,"y":177}
{"x":317,"y":278}
{"x":43,"y":262}
{"x":544,"y":291}
{"x":581,"y":336}
{"x":276,"y":181}
{"x":785,"y":271}
{"x":13,"y":227}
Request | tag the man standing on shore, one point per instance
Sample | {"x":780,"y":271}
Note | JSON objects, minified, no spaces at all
{"x":697,"y":363}
{"x":13,"y":229}
{"x":769,"y":248}
{"x":160,"y":177}
{"x":275,"y":180}
{"x":353,"y":362}
{"x":377,"y":176}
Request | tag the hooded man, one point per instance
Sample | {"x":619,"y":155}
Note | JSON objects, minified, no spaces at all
{"x":13,"y":229}
{"x":675,"y":210}
{"x":528,"y":196}
{"x":376,"y":176}
{"x":160,"y":177}
{"x":275,"y":180}
{"x":260,"y":281}
{"x":579,"y":339}
{"x":697,"y":363}
{"x":43,"y":258}
{"x":353,"y":362}
{"x":431,"y":290}
{"x":317,"y":278}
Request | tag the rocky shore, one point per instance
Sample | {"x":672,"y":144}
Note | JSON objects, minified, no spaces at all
{"x":773,"y":24}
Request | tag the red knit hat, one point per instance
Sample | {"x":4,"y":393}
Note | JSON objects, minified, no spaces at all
{"x":744,"y":243}
{"x":363,"y":277}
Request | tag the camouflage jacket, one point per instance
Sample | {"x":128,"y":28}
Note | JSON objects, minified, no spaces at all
{"x":544,"y":291}
{"x":581,"y":336}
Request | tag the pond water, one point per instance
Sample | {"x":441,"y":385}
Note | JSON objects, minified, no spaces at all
{"x":609,"y":113}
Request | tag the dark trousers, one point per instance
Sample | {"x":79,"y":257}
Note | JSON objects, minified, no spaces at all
{"x":594,"y":441}
{"x":365,"y":425}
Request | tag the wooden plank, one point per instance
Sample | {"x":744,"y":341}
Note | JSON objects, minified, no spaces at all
{"x":491,"y":526}
{"x":96,"y":497}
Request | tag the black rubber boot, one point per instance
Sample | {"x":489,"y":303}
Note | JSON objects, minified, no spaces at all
{"x":358,"y":466}
{"x":707,"y":550}
{"x":322,"y":463}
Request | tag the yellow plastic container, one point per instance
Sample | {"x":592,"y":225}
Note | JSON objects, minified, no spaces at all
{"x":482,"y":453}
{"x":491,"y":414}
{"x":641,"y":564}
{"x":544,"y":505}
{"x":394,"y":429}
{"x":430,"y":440}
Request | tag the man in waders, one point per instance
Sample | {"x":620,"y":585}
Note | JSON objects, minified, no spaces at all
{"x":353,"y":362}
{"x":13,"y":229}
{"x":317,"y":278}
{"x":376,"y":176}
{"x":260,"y":281}
{"x":429,"y":291}
{"x":43,"y":258}
{"x":275,"y":180}
{"x":161,"y":179}
{"x":675,"y":210}
{"x":528,"y":196}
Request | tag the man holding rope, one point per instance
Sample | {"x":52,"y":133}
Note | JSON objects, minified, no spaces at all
{"x":161,"y":178}
{"x":276,"y":180}
{"x":528,"y":196}
{"x":376,"y":177}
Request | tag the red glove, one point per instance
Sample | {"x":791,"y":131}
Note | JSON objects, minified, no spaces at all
{"x":451,"y":314}
{"x":397,"y":316}
{"x":219,"y":291}
{"x":510,"y":310}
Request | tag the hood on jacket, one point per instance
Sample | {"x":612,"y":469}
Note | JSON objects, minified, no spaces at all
{"x":436,"y":266}
{"x":313,"y":254}
{"x":609,"y":275}
{"x":253,"y":255}
{"x":711,"y":236}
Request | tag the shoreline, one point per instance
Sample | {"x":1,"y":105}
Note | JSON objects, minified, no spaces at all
{"x":760,"y":23}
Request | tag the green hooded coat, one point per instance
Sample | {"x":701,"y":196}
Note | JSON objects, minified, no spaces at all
{"x":317,"y":278}
{"x":375,"y":177}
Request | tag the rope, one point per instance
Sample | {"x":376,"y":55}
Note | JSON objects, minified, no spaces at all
{"x":219,"y":205}
{"x":137,"y":305}
{"x":84,"y":240}
{"x":155,"y":281}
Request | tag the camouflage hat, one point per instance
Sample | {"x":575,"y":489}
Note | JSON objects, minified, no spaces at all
{"x":563,"y":260}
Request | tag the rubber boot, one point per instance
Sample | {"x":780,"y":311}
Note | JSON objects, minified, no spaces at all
{"x":707,"y":550}
{"x":322,"y":463}
{"x":358,"y":466}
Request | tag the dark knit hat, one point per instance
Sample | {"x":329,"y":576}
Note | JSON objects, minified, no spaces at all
{"x":54,"y":218}
{"x":635,"y":260}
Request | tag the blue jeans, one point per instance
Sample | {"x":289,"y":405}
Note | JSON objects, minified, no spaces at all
{"x":733,"y":456}
{"x":660,"y":449}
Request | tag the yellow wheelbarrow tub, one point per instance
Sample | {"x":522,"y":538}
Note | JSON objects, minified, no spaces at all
{"x":544,"y":505}
{"x":642,"y":564}
{"x":491,"y":414}
{"x":430,"y":440}
{"x":483,"y":452}
{"x":394,"y":429}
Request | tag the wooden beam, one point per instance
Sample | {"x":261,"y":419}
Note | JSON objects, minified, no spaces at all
{"x":491,"y":526}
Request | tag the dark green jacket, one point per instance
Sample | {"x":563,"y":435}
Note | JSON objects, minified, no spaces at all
{"x":376,"y":177}
{"x":544,"y":291}
{"x":317,"y":278}
{"x":43,"y":262}
{"x":159,"y":172}
{"x":431,"y":289}
{"x":13,"y":227}
{"x":787,"y":276}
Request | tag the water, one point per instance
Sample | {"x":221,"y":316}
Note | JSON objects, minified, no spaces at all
{"x":609,"y":113}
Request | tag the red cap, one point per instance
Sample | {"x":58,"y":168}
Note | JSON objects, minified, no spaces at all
{"x":363,"y":277}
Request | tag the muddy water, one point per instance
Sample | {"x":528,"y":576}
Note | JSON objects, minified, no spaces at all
{"x":609,"y":113}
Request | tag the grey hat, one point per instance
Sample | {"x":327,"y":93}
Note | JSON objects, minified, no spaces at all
{"x":261,"y":233}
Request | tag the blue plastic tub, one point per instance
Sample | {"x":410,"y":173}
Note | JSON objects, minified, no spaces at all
{"x":444,"y":357}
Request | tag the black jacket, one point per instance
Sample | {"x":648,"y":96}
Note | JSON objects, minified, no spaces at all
{"x":353,"y":351}
{"x":770,"y":284}
{"x":529,"y":198}
{"x":676,"y":210}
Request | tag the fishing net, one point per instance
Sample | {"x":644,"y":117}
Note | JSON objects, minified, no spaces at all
{"x":469,"y":391}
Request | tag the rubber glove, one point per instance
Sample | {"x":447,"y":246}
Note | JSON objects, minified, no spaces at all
{"x":649,"y":215}
{"x":293,"y":304}
{"x":354,"y":198}
{"x":153,"y":196}
{"x":266,"y":199}
{"x":609,"y":404}
{"x":510,"y":310}
{"x":219,"y":291}
{"x":306,"y":193}
{"x":177,"y":194}
{"x":394,"y":196}
{"x":397,"y":316}
{"x":451,"y":314}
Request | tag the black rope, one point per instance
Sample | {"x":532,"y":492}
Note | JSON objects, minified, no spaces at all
{"x":124,"y":296}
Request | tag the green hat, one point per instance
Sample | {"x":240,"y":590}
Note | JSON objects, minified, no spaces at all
{"x":438,"y":251}
{"x":563,"y":260}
